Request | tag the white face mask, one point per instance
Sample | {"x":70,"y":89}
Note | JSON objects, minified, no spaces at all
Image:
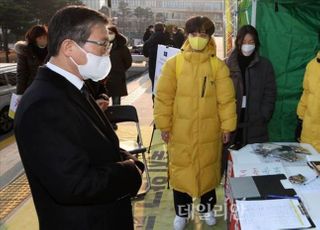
{"x":112,"y":37}
{"x":247,"y":49}
{"x":96,"y":68}
{"x":41,"y":46}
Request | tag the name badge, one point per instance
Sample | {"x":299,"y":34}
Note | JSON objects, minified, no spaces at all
{"x":244,"y":102}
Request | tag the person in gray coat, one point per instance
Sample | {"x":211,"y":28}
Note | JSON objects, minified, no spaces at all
{"x":121,"y":61}
{"x":31,"y":54}
{"x":255,"y":86}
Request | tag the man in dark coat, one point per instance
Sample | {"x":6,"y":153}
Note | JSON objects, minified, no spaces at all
{"x":78,"y":175}
{"x":150,"y":47}
{"x":148,"y":33}
{"x":177,"y":37}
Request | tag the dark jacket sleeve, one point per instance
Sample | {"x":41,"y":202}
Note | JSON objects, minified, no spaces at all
{"x":127,"y":58}
{"x":126,"y":156}
{"x":55,"y":156}
{"x":298,"y":130}
{"x":146,"y":47}
{"x":23,"y":73}
{"x":270,"y":93}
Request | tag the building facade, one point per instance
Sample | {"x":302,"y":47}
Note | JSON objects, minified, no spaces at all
{"x":95,"y":4}
{"x":178,"y":11}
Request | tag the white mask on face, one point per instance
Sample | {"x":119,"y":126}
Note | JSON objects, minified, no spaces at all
{"x":247,"y":49}
{"x":112,"y":37}
{"x":96,"y":68}
{"x":41,"y":46}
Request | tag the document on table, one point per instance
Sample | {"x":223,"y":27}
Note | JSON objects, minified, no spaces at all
{"x":312,"y":203}
{"x":272,"y":214}
{"x":258,"y":169}
{"x":246,"y":154}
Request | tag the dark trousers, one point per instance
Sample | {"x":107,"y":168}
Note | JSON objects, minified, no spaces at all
{"x":116,"y":100}
{"x":183,"y":203}
{"x":152,"y":71}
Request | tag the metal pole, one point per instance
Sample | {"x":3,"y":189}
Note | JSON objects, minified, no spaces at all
{"x":236,"y":20}
{"x":108,"y":5}
{"x":254,"y":13}
{"x":224,"y":30}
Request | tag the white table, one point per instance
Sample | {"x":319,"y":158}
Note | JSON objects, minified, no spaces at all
{"x":245,"y":162}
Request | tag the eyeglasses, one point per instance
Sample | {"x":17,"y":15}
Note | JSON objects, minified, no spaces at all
{"x":99,"y":43}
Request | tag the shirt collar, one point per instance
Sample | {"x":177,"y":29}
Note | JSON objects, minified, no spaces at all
{"x":73,"y":79}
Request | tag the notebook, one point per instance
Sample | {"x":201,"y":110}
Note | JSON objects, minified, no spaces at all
{"x":259,"y":187}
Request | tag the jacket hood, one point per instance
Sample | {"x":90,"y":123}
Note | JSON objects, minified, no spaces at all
{"x":190,"y":55}
{"x":21,"y":47}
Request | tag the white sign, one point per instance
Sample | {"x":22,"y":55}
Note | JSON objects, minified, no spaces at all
{"x":15,"y":99}
{"x":163,"y":54}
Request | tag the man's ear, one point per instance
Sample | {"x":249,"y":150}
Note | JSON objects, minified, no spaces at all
{"x":67,"y":47}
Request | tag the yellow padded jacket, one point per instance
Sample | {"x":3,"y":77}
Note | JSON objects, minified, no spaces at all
{"x":309,"y":104}
{"x":195,"y":107}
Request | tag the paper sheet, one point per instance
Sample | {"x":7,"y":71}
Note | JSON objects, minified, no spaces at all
{"x":241,"y":170}
{"x":271,"y":215}
{"x":244,"y":155}
{"x":312,"y":203}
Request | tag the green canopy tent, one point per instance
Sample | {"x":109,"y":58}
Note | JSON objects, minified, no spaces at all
{"x":289,"y":31}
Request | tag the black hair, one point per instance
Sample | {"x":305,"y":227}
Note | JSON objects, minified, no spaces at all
{"x":113,"y":29}
{"x":72,"y":22}
{"x":199,"y":24}
{"x":34,"y":32}
{"x":159,"y":27}
{"x":242,"y":32}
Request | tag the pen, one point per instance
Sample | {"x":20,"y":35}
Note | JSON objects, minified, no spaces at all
{"x":282,"y":197}
{"x":310,"y":166}
{"x":307,"y":182}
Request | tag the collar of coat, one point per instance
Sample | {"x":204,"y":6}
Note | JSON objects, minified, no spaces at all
{"x":233,"y":63}
{"x":198,"y":57}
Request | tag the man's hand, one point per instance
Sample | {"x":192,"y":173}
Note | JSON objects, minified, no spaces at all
{"x":165,"y":136}
{"x":226,"y":138}
{"x":140,"y":172}
{"x":103,"y":104}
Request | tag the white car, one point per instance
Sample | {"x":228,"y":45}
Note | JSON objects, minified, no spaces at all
{"x":7,"y":87}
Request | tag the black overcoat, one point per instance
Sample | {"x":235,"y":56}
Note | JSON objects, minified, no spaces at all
{"x":79,"y":177}
{"x":121,"y":61}
{"x":260,"y":96}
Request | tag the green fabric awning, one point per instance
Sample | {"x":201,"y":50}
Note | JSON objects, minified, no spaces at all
{"x":289,"y":31}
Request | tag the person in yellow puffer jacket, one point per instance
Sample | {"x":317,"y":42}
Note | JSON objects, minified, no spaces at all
{"x":309,"y":105}
{"x":195,"y":110}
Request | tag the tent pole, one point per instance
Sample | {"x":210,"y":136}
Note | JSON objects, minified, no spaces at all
{"x":254,"y":13}
{"x":224,"y":30}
